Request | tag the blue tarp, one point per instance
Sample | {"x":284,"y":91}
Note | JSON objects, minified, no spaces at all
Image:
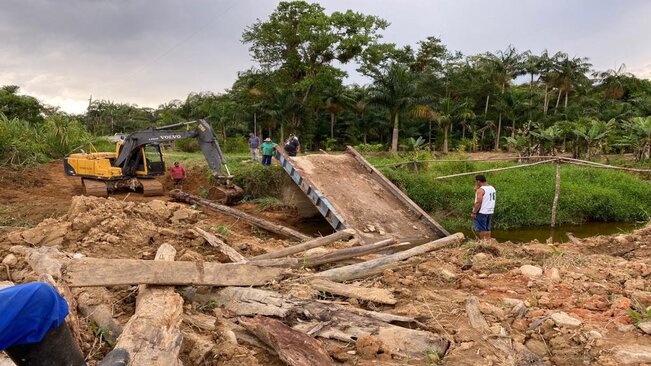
{"x":28,"y":312}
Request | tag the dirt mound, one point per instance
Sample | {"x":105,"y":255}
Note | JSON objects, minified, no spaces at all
{"x":108,"y":228}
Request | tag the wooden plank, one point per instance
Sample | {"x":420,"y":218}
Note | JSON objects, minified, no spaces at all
{"x":293,"y":347}
{"x":256,"y":221}
{"x":332,"y":257}
{"x":89,"y":272}
{"x":314,"y":243}
{"x":360,"y":270}
{"x":215,"y":242}
{"x":152,"y":335}
{"x":380,"y":178}
{"x":378,"y":295}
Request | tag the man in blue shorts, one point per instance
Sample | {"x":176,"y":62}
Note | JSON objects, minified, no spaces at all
{"x":482,"y":211}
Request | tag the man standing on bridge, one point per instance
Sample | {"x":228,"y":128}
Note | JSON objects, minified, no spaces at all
{"x":482,"y":211}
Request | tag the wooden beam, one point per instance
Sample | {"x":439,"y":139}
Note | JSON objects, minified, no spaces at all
{"x":335,"y":256}
{"x":215,"y":242}
{"x":557,"y":192}
{"x":360,"y":270}
{"x":496,"y":169}
{"x":314,"y":243}
{"x":230,"y":211}
{"x":604,"y":166}
{"x":377,"y":295}
{"x":294,"y":347}
{"x":152,"y":335}
{"x":90,"y":272}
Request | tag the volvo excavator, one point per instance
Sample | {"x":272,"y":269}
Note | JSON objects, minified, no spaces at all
{"x":138,"y":160}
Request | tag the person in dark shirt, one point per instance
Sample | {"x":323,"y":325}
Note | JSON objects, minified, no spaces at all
{"x":292,"y":146}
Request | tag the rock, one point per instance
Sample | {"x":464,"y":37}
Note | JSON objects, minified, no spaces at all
{"x":562,"y":319}
{"x":536,"y":347}
{"x":593,"y":334}
{"x":624,"y":328}
{"x":596,"y":302}
{"x":480,"y":256}
{"x":512,"y":302}
{"x":633,"y":354}
{"x":645,"y":326}
{"x":622,"y":303}
{"x":190,"y":256}
{"x":644,"y":297}
{"x":553,"y":274}
{"x":448,"y":275}
{"x":531,"y":271}
{"x":634,"y":284}
{"x":77,"y":256}
{"x":10,"y":260}
{"x":369,"y":347}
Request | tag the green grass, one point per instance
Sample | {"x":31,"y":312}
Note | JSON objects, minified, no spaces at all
{"x":525,"y":195}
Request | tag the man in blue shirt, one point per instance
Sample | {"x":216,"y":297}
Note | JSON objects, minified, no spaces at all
{"x":254,"y":144}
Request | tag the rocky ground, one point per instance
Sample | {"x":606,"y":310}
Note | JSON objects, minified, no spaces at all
{"x":583,"y":302}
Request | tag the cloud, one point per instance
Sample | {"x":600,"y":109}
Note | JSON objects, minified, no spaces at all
{"x":149,"y":52}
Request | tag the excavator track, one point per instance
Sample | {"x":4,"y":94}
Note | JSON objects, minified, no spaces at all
{"x":94,"y":188}
{"x":151,"y":187}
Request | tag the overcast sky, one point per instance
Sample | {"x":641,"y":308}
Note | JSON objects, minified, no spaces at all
{"x":150,"y":52}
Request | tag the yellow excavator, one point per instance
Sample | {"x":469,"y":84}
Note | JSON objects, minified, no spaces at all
{"x":138,"y":160}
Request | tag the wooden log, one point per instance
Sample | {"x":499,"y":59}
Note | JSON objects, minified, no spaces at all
{"x":557,"y":192}
{"x":378,"y":295}
{"x":496,"y":169}
{"x":335,"y":256}
{"x":573,"y":238}
{"x":89,"y":272}
{"x":339,"y":322}
{"x":93,"y":305}
{"x":314,"y":243}
{"x":293,"y":347}
{"x":261,"y":223}
{"x":152,"y":335}
{"x":215,"y":242}
{"x":201,"y":321}
{"x":360,"y":270}
{"x":604,"y":166}
{"x":475,"y":316}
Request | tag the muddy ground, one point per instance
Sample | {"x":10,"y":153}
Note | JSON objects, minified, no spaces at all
{"x":581,"y":303}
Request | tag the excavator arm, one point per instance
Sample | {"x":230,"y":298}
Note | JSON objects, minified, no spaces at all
{"x":202,"y":131}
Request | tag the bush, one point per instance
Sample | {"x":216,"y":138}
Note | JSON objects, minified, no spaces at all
{"x":370,"y":147}
{"x":236,"y":144}
{"x":259,"y":181}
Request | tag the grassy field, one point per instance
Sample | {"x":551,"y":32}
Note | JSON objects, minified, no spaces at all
{"x":524,"y":195}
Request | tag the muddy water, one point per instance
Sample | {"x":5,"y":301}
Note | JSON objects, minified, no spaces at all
{"x":543,"y":233}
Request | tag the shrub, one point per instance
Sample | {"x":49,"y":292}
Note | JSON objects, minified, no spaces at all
{"x":370,"y":147}
{"x":236,"y":144}
{"x":259,"y":181}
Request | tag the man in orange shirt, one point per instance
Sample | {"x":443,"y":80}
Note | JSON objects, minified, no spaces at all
{"x":177,"y":172}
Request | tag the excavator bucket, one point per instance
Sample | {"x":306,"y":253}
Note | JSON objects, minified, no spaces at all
{"x":227,"y":195}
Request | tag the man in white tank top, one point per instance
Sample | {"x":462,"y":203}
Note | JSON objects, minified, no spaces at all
{"x":482,"y":212}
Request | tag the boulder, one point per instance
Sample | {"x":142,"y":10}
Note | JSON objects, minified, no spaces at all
{"x":531,"y":271}
{"x":562,"y":319}
{"x":633,"y":354}
{"x":645,"y":326}
{"x":10,"y":260}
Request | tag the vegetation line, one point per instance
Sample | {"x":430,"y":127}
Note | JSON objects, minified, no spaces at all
{"x":496,"y":169}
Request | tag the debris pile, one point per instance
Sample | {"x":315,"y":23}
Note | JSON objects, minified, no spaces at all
{"x":169,"y":283}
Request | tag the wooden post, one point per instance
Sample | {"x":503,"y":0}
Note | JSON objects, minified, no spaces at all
{"x":556,"y":192}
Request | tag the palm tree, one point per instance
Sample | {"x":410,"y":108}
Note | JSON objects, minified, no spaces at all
{"x":613,"y":81}
{"x":335,"y":101}
{"x":396,"y":91}
{"x":506,"y":66}
{"x":568,"y":74}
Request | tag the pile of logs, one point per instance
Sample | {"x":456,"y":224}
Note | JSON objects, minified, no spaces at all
{"x":286,"y":325}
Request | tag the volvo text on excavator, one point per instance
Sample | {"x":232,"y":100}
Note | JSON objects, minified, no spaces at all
{"x":138,"y":160}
